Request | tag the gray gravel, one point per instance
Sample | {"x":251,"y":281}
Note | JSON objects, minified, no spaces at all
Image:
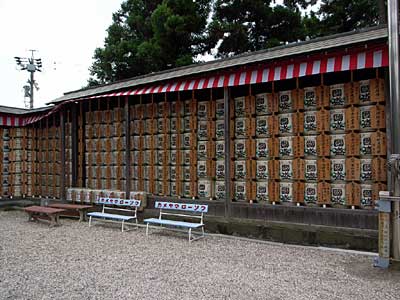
{"x":74,"y":261}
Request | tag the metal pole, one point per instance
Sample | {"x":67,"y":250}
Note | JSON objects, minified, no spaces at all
{"x":32,"y":87}
{"x":394,"y":73}
{"x":227,"y":118}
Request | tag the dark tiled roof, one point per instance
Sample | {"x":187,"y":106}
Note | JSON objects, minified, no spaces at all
{"x":323,"y":43}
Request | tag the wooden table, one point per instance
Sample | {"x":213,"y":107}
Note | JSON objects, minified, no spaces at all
{"x":44,"y":213}
{"x":72,"y":209}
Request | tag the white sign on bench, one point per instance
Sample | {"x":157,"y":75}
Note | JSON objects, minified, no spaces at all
{"x":196,"y":213}
{"x":111,"y":205}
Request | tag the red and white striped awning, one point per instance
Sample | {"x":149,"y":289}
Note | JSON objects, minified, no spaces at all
{"x":11,"y":120}
{"x":362,"y":59}
{"x":354,"y":59}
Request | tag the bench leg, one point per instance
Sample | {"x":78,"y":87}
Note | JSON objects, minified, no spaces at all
{"x":81,"y":215}
{"x":190,"y":235}
{"x":122,"y":229}
{"x":90,"y":220}
{"x":147,"y":229}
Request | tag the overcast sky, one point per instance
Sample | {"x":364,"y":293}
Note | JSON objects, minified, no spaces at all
{"x":64,"y":32}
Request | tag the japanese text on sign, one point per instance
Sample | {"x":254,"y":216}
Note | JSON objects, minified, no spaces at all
{"x":118,"y":201}
{"x":182,"y":206}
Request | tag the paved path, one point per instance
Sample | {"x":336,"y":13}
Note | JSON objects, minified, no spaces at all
{"x":74,"y":261}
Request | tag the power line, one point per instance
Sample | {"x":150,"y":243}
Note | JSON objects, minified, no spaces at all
{"x":31,"y":65}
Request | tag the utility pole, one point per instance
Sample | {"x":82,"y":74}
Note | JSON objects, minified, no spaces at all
{"x":31,"y":65}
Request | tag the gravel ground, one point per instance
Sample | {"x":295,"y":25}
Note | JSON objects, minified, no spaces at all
{"x":74,"y":261}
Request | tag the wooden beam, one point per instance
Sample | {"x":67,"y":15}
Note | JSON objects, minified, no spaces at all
{"x":74,"y":142}
{"x":127,"y":148}
{"x":62,"y":154}
{"x":227,"y":116}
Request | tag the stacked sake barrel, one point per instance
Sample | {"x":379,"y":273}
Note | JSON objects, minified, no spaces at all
{"x":206,"y":162}
{"x":5,"y":162}
{"x":104,"y":144}
{"x":143,"y":148}
{"x":219,"y":134}
{"x":242,"y":123}
{"x":265,"y":148}
{"x":90,"y":196}
{"x":290,"y":147}
{"x":46,"y":156}
{"x":19,"y":162}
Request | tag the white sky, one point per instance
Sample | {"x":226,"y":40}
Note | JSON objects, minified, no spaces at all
{"x":65,"y":34}
{"x":63,"y":31}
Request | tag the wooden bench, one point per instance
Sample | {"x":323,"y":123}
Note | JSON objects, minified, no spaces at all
{"x":72,"y":209}
{"x":195,"y":212}
{"x":44,"y":213}
{"x":113,"y":205}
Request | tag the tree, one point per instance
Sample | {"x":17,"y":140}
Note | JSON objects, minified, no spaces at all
{"x":148,"y":36}
{"x":247,"y":25}
{"x":346,"y":15}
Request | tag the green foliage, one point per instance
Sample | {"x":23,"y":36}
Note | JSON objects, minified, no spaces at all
{"x":248,"y":25}
{"x":152,"y":35}
{"x":148,"y":36}
{"x":346,"y":15}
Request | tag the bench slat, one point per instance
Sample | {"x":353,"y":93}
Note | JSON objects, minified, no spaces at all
{"x":173,"y":223}
{"x":110,"y":216}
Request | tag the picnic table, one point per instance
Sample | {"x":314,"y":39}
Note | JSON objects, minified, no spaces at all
{"x":45,"y":213}
{"x":72,"y":209}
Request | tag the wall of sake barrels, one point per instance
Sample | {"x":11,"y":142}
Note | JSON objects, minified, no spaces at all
{"x":313,"y":141}
{"x":46,"y":173}
{"x":104,"y":138}
{"x":16,"y":162}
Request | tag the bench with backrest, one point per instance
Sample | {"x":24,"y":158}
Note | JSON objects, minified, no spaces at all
{"x":116,"y":210}
{"x":181,"y":213}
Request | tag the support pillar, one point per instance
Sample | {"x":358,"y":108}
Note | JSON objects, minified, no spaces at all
{"x":62,"y":154}
{"x":127,"y":148}
{"x":227,"y":117}
{"x":74,"y":145}
{"x":394,"y":78}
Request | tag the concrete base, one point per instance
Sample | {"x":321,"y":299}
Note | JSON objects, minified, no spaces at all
{"x":291,"y":233}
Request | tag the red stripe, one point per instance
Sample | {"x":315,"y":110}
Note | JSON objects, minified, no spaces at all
{"x":196,"y":84}
{"x":296,"y":70}
{"x":338,"y":63}
{"x":353,"y":61}
{"x":385,"y":57}
{"x":283,"y":72}
{"x":216,"y":80}
{"x":186,"y":87}
{"x":205,"y":84}
{"x":226,"y":80}
{"x":237,"y":79}
{"x":271,"y":74}
{"x":169,"y":87}
{"x":178,"y":86}
{"x":259,"y":75}
{"x":322,"y":67}
{"x":369,"y":59}
{"x":12,"y":120}
{"x":309,"y":67}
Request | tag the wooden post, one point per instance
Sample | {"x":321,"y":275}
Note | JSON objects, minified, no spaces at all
{"x":127,"y":148}
{"x":74,"y":141}
{"x":62,"y":154}
{"x":227,"y":116}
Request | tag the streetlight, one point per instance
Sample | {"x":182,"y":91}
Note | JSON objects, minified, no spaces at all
{"x":31,"y":65}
